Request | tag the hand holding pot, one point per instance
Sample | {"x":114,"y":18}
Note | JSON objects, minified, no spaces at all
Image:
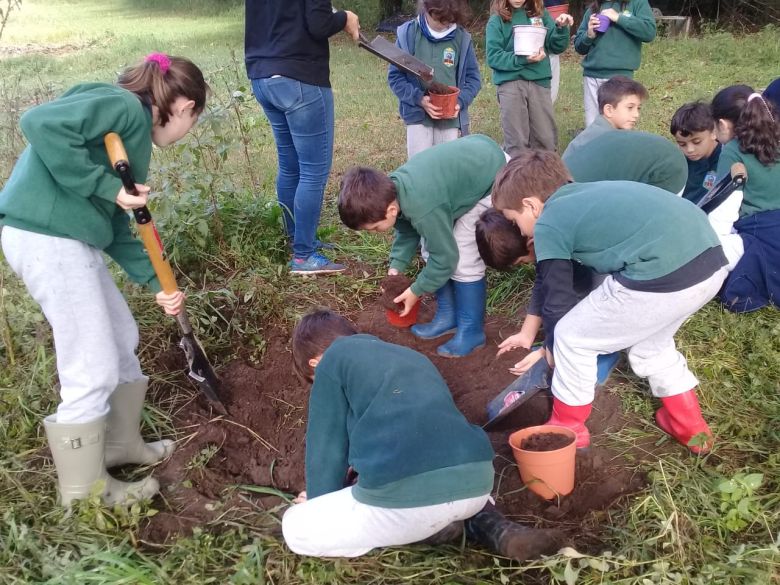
{"x":564,"y":20}
{"x":537,"y":57}
{"x":352,"y":28}
{"x":611,"y":13}
{"x":593,"y":24}
{"x":408,"y":299}
{"x":433,"y":112}
{"x":173,"y":303}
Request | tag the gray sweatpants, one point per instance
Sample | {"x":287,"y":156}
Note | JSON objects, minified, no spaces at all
{"x":527,"y":118}
{"x":420,"y":137}
{"x":590,"y":90}
{"x":95,"y":335}
{"x":612,"y":318}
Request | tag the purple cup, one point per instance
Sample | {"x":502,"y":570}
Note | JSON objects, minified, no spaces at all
{"x":604,"y":23}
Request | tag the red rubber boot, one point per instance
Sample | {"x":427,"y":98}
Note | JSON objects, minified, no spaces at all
{"x":572,"y":417}
{"x":680,"y":417}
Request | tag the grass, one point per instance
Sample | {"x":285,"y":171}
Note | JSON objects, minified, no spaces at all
{"x":700,"y":520}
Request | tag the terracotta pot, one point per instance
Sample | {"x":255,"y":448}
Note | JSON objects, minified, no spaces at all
{"x":546,"y":473}
{"x":397,"y":321}
{"x":556,"y":11}
{"x":446,"y":101}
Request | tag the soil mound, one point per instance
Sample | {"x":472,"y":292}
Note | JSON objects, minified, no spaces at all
{"x":261,"y":442}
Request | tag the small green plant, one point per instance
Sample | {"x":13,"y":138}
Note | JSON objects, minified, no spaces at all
{"x":201,"y":459}
{"x":738,"y":502}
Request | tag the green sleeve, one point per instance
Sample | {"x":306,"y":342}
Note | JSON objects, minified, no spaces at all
{"x":557,"y":37}
{"x":60,"y":132}
{"x":436,"y":229}
{"x":641,"y":24}
{"x":582,"y":42}
{"x":404,"y":245}
{"x":728,"y":156}
{"x":129,"y":253}
{"x":327,"y":441}
{"x":498,"y":57}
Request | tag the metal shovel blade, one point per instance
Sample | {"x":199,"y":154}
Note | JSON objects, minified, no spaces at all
{"x":518,"y":393}
{"x":386,"y":50}
{"x":720,"y":192}
{"x":200,"y":370}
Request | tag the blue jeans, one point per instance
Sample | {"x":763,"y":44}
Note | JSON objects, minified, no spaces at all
{"x":301,"y":117}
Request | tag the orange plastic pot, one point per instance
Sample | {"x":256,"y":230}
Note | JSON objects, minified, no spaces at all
{"x":407,"y":321}
{"x":546,"y":473}
{"x":556,"y":11}
{"x":446,"y":101}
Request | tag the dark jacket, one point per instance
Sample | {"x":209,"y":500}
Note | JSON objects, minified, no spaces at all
{"x":290,"y":38}
{"x":755,"y":280}
{"x":409,"y":90}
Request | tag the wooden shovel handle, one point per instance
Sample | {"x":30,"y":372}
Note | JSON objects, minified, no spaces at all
{"x":146,"y":228}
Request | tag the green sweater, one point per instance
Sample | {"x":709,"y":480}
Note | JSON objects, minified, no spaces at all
{"x":385,"y":410}
{"x":63,"y":184}
{"x":641,"y":232}
{"x":500,"y":49}
{"x":762,"y":188}
{"x":434,"y":189}
{"x":619,"y":50}
{"x":629,"y":155}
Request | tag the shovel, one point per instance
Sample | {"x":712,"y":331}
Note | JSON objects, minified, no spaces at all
{"x":720,"y":192}
{"x":386,"y":50}
{"x":519,"y":392}
{"x":200,"y":370}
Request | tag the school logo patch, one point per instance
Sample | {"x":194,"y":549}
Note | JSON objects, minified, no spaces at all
{"x":448,"y":57}
{"x":537,"y":21}
{"x":709,"y":180}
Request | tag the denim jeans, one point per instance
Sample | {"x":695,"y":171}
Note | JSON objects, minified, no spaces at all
{"x":301,"y":117}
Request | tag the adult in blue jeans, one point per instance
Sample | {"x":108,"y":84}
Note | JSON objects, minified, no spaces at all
{"x":287,"y":59}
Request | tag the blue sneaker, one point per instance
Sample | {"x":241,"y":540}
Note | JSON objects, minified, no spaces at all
{"x":315,"y":264}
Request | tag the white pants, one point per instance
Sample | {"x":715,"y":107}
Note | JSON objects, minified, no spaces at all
{"x":419,"y":137}
{"x":471,"y":267}
{"x":555,"y":65}
{"x":612,"y":318}
{"x":95,"y":335}
{"x":337,"y":525}
{"x":590,"y":90}
{"x":722,"y":220}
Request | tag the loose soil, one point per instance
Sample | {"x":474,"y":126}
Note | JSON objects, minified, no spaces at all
{"x":545,"y":442}
{"x":261,"y":441}
{"x":391,"y":287}
{"x":440,"y":89}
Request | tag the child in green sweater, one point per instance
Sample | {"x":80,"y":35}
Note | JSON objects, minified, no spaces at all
{"x":523,"y":83}
{"x":64,"y":205}
{"x":663,"y":261}
{"x":616,"y":51}
{"x":389,"y":458}
{"x":436,"y":199}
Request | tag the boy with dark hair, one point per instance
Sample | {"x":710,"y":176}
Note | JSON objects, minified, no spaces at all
{"x":435,"y":198}
{"x":693,"y":127}
{"x":663,"y":261}
{"x":500,"y":243}
{"x":381,"y":415}
{"x":620,"y":101}
{"x":629,"y":156}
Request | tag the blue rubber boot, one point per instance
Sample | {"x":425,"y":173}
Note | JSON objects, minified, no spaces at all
{"x":470,"y":300}
{"x":605,"y":363}
{"x":444,"y":320}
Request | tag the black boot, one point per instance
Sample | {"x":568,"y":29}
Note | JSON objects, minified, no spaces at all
{"x":509,"y":539}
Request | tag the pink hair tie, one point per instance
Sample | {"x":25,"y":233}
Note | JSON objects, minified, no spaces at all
{"x":755,"y":95}
{"x":162,"y":60}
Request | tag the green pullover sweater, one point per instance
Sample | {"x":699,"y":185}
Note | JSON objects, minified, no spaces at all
{"x":500,"y":48}
{"x":619,"y":50}
{"x":63,"y":184}
{"x":762,"y":188}
{"x":434,"y":189}
{"x":385,"y":410}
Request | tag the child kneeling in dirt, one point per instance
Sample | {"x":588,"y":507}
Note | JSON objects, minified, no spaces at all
{"x":436,"y":197}
{"x":663,"y":261}
{"x":383,"y":412}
